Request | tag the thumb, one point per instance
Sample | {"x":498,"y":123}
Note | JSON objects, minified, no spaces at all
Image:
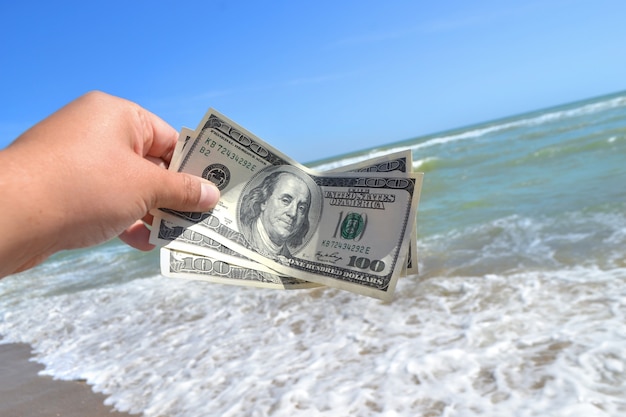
{"x":184,"y":192}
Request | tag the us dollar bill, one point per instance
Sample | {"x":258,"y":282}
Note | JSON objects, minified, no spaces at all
{"x":345,"y":230}
{"x":399,"y":162}
{"x":179,"y":264}
{"x":179,"y":238}
{"x":175,"y":237}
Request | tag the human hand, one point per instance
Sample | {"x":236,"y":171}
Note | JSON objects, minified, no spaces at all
{"x":88,"y":173}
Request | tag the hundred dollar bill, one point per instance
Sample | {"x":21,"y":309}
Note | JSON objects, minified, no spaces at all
{"x":178,"y":238}
{"x":397,"y":162}
{"x":207,"y":251}
{"x":411,"y":265}
{"x":178,"y":264}
{"x":174,"y":236}
{"x":345,"y":230}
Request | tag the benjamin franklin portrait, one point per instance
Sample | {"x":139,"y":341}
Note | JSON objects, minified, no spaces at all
{"x":279,"y":211}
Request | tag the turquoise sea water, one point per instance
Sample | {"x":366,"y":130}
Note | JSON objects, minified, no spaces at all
{"x":519,"y":307}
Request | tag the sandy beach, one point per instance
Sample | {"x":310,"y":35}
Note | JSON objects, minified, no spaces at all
{"x":24,"y":393}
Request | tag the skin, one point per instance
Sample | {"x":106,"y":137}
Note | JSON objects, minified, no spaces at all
{"x":86,"y":174}
{"x":284,"y":211}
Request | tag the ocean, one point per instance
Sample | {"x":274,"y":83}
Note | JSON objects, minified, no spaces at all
{"x":519,"y":308}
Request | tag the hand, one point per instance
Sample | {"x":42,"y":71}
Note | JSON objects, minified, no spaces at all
{"x":90,"y":172}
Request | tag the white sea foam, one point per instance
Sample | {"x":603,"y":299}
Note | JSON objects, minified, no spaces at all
{"x":526,"y":344}
{"x":518,"y":243}
{"x":421,"y":162}
{"x":540,"y":337}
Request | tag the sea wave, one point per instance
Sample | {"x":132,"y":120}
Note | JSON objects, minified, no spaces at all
{"x":455,"y":345}
{"x":523,"y":121}
{"x":529,"y":120}
{"x":520,"y":243}
{"x":348,"y":160}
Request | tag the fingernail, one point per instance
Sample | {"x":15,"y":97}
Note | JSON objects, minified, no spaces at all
{"x":209,"y":195}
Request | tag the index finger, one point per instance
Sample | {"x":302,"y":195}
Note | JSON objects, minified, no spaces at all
{"x":159,"y":137}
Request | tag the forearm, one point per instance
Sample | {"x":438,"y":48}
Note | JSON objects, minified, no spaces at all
{"x":27,"y":225}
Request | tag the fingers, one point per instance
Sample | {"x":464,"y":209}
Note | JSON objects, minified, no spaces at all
{"x":176,"y":191}
{"x":137,"y":236}
{"x":148,"y":219}
{"x":159,"y":137}
{"x":209,"y":194}
{"x":163,"y":188}
{"x":184,"y":192}
{"x":157,"y":161}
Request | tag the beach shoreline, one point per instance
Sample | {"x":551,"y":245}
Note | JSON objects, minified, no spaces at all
{"x":25,"y":393}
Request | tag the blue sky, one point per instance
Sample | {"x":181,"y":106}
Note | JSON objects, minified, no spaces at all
{"x":313,"y":78}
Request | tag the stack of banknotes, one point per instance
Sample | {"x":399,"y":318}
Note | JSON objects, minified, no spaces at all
{"x":281,"y":225}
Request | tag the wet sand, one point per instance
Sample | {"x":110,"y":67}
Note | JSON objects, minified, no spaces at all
{"x":24,"y":393}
